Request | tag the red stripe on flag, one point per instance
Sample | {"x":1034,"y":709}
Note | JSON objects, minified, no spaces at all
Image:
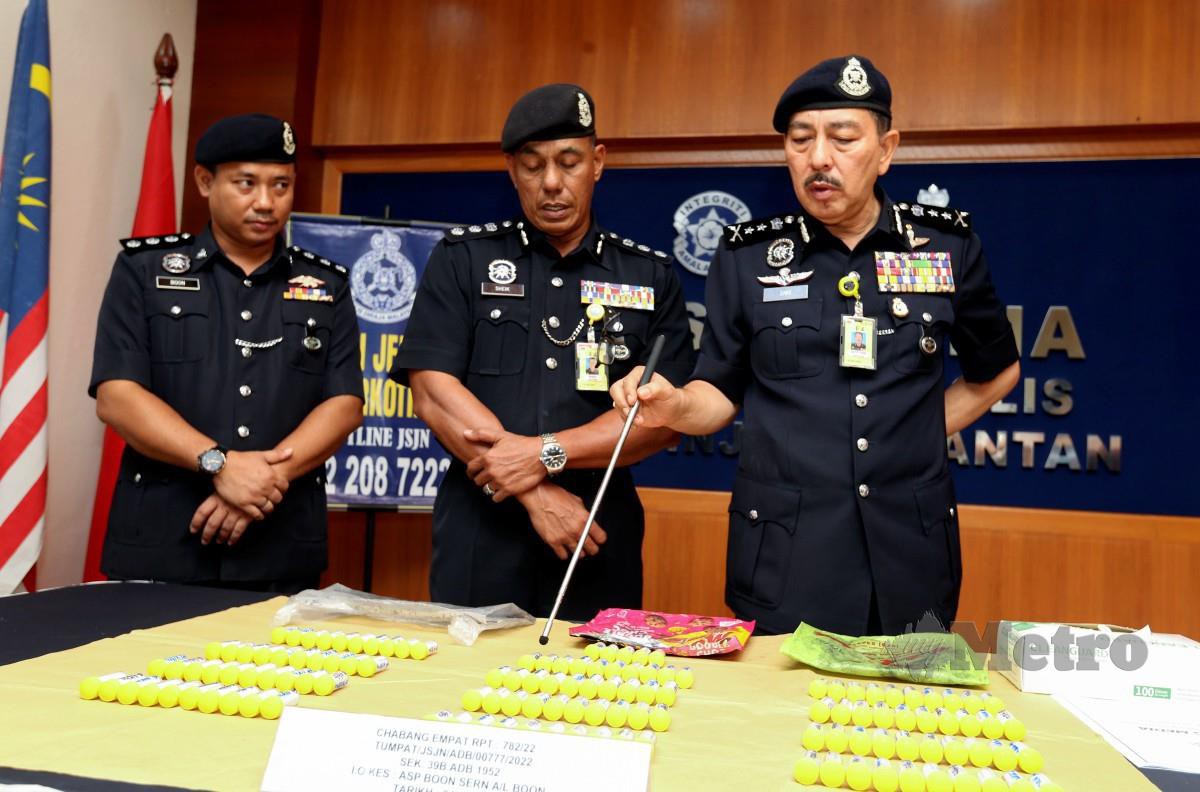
{"x":23,"y":429}
{"x":24,"y":517}
{"x":25,"y":337}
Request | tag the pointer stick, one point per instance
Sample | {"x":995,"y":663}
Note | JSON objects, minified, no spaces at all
{"x":651,"y":363}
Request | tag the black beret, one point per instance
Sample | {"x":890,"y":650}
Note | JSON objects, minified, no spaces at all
{"x":246,"y":138}
{"x":552,"y":112}
{"x":850,"y":81}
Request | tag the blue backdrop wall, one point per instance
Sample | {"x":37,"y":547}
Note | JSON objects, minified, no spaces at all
{"x":1088,"y":255}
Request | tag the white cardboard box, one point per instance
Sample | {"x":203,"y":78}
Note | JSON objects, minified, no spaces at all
{"x":1098,"y":661}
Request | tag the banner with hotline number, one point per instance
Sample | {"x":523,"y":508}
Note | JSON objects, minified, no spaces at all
{"x":393,"y":459}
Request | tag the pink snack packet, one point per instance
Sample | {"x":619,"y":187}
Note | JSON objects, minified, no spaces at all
{"x":681,"y":634}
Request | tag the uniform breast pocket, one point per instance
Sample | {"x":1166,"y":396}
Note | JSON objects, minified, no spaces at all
{"x":179,"y":326}
{"x":628,"y":336}
{"x":786,"y":339}
{"x":762,"y":525}
{"x":929,"y":316}
{"x":501,"y":339}
{"x":307,"y":334}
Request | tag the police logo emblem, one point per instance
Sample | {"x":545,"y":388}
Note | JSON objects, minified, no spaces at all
{"x":780,"y":253}
{"x":854,"y":79}
{"x":289,"y":139}
{"x":502,"y":271}
{"x":176,"y":263}
{"x":383,"y":281}
{"x":585,"y":112}
{"x":699,"y":222}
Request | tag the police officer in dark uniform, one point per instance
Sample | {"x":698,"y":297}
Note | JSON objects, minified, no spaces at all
{"x":830,"y":323}
{"x":517,"y":330}
{"x":229,"y":363}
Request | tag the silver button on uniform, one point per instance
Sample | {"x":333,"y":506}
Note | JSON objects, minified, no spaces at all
{"x":786,"y":321}
{"x":553,"y":321}
{"x":862,"y":444}
{"x":311,"y":322}
{"x":243,"y":431}
{"x":863,"y":490}
{"x":860,"y":400}
{"x":137,"y":478}
{"x":246,"y":352}
{"x":556,"y":282}
{"x":495,"y":314}
{"x":245,"y":390}
{"x":247,"y":316}
{"x":176,"y":310}
{"x":927,"y":317}
{"x":618,"y":327}
{"x":551,"y":363}
{"x":754,"y":514}
{"x":247,"y":283}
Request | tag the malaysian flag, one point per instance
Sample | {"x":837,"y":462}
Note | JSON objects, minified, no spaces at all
{"x":24,"y":301}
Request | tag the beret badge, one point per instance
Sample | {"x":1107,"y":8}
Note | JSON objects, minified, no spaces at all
{"x":854,"y":79}
{"x":289,"y":139}
{"x":585,"y":112}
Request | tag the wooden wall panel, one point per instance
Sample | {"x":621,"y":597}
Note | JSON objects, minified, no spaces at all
{"x":1035,"y":564}
{"x":264,"y":61}
{"x":407,"y":72}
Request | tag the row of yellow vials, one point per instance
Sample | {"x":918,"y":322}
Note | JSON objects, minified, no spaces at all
{"x":268,"y":675}
{"x":615,"y":669}
{"x":923,"y":719}
{"x":931,"y":748}
{"x":588,"y":687}
{"x":912,"y":697}
{"x":360,"y":643}
{"x":882,"y":775}
{"x":636,"y":715}
{"x":151,"y":691}
{"x":553,"y":727}
{"x":352,"y":665}
{"x":282,"y":654}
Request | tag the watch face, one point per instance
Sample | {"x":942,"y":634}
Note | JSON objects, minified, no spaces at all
{"x":553,"y":457}
{"x":212,"y":460}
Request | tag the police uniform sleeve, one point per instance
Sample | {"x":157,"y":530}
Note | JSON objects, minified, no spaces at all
{"x":122,"y":350}
{"x":724,"y":345}
{"x":982,"y":334}
{"x":670,"y":319}
{"x":438,"y":335}
{"x":343,"y":373}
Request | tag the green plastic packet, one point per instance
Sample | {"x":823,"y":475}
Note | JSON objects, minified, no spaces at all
{"x":929,"y":658}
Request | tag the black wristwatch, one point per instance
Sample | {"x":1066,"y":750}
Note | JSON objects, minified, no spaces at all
{"x":212,"y":461}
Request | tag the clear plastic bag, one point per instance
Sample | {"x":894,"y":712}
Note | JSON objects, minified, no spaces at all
{"x":463,"y":623}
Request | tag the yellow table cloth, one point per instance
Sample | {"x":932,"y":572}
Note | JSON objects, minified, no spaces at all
{"x":738,"y":728}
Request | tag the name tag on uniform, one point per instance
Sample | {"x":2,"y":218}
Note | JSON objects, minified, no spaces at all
{"x":502,"y":289}
{"x":178,"y":284}
{"x":783,"y":293}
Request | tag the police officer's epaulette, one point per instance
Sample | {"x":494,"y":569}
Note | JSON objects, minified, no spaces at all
{"x":763,"y":229}
{"x":633,"y":247}
{"x":298,"y":252}
{"x":138,"y":244}
{"x":463,"y":233}
{"x":943,"y":218}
